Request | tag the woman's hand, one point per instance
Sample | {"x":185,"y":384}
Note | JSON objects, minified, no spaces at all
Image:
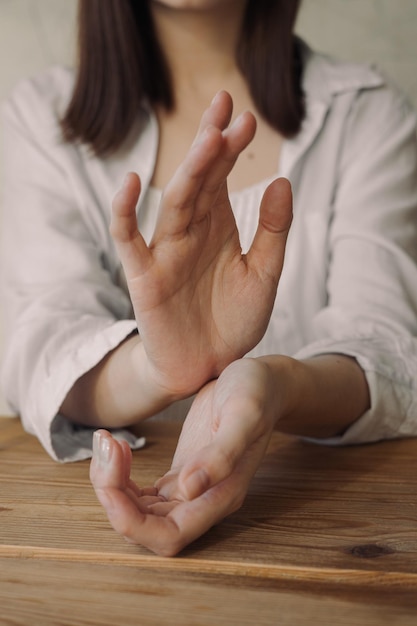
{"x":222,"y":443}
{"x":199,"y":303}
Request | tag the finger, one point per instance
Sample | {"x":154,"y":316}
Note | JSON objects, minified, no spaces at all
{"x":108,"y":477}
{"x":236,"y":140}
{"x":170,"y":526}
{"x":162,"y":508}
{"x":127,"y":460}
{"x":131,"y":247}
{"x":178,"y":200}
{"x":144,"y":491}
{"x":217,"y":461}
{"x":173,"y":525}
{"x":145,"y":504}
{"x":110,"y":465}
{"x":155,"y":531}
{"x":218,"y":114}
{"x":196,"y":184}
{"x":110,"y":468}
{"x":194,"y":518}
{"x":131,"y":487}
{"x":166,"y":484}
{"x":123,"y":226}
{"x":266,"y":254}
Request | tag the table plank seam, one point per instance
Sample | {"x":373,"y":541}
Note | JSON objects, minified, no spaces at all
{"x":295,"y":573}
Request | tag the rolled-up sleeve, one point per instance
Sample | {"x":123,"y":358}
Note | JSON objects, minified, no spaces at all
{"x":63,"y":307}
{"x":371,"y":312}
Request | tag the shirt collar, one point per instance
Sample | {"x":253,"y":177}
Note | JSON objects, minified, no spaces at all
{"x":324,"y":79}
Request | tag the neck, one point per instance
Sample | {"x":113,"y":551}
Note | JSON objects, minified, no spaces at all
{"x":200,"y":45}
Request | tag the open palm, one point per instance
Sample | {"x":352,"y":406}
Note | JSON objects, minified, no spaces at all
{"x":198,"y":301}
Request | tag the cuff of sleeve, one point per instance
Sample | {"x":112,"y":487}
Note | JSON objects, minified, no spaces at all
{"x":63,"y":440}
{"x":72,"y":442}
{"x":393,"y":412}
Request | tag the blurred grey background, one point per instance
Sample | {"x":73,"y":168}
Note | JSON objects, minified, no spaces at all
{"x":37,"y":33}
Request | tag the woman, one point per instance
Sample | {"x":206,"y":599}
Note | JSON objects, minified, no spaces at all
{"x":333,"y":358}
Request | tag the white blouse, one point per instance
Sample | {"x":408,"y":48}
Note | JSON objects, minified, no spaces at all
{"x":349,"y":283}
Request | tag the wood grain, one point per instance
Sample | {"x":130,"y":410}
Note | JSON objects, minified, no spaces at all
{"x":325,"y":536}
{"x":309,"y":506}
{"x":62,"y":593}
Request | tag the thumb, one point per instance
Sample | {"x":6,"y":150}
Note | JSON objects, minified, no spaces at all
{"x":218,"y":460}
{"x":266,"y":254}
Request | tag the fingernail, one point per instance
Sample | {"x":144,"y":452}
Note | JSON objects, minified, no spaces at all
{"x":101,"y":448}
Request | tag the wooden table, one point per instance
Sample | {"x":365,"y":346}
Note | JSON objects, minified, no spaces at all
{"x":326,"y":536}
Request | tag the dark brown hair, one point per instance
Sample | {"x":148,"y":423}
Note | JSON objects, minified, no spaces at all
{"x":120,"y":63}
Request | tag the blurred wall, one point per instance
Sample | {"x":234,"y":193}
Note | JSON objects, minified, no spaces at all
{"x":38,"y":33}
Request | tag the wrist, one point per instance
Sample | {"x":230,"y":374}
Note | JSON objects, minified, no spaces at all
{"x":283,"y":373}
{"x":155,"y":394}
{"x":318,"y":397}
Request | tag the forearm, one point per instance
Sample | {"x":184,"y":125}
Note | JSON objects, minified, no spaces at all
{"x":318,"y":397}
{"x":118,"y":391}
